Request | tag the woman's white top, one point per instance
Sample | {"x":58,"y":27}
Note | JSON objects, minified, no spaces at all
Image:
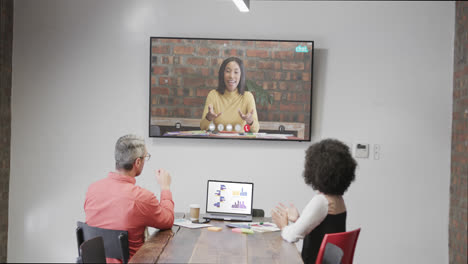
{"x":312,"y":215}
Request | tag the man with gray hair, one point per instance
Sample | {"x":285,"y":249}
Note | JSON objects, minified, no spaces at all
{"x":117,"y":203}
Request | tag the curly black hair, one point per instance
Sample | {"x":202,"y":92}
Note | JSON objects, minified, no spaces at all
{"x":329,"y":167}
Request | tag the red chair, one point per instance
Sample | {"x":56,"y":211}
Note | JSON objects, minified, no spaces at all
{"x":345,"y":240}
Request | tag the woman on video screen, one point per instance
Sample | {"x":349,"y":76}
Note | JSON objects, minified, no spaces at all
{"x":230,"y":104}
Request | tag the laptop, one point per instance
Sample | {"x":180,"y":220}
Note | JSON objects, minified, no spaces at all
{"x":229,"y":201}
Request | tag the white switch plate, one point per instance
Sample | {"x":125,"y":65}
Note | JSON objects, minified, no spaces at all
{"x":376,"y":151}
{"x":361,"y":150}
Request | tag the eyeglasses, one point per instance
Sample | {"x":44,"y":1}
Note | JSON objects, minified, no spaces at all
{"x":146,"y":157}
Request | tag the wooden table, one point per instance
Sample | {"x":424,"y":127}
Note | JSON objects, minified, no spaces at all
{"x":184,"y":245}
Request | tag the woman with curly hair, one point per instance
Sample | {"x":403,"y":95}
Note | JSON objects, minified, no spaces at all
{"x":329,"y":169}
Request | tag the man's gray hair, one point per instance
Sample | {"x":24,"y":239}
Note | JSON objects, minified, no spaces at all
{"x":127,"y":149}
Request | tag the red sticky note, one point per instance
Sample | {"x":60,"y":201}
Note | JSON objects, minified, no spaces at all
{"x":237,"y":230}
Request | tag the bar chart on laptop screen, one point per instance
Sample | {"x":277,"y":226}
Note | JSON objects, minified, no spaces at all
{"x":227,"y":197}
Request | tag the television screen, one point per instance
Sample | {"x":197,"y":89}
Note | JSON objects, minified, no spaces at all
{"x":230,"y":88}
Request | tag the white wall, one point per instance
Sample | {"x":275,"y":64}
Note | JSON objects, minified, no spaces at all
{"x":383,"y":75}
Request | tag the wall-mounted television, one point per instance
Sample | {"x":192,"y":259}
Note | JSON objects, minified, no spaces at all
{"x":248,"y":89}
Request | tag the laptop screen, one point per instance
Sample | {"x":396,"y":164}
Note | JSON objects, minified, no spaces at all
{"x":229,"y":197}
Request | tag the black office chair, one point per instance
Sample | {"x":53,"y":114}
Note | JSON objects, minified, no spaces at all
{"x":115,"y":241}
{"x":92,"y":251}
{"x":258,"y":213}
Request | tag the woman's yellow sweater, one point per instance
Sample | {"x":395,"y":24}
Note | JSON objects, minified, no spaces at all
{"x":228,"y":104}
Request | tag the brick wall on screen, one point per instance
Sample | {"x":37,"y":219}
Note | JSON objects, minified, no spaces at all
{"x":6,"y":41}
{"x":459,"y":164}
{"x":183,"y":72}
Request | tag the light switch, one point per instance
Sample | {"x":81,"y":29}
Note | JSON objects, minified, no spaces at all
{"x":376,"y":151}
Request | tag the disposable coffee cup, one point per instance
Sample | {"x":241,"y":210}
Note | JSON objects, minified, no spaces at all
{"x":194,"y":212}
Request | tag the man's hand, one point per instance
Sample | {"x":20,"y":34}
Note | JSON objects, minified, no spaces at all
{"x":211,"y":115}
{"x":247,"y":117}
{"x":164,"y":179}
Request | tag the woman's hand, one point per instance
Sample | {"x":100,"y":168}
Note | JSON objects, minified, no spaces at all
{"x":292,"y":212}
{"x":247,"y":117}
{"x":211,"y":115}
{"x":280,"y":218}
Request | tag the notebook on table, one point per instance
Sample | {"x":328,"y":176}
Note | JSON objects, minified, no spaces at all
{"x":230,"y":201}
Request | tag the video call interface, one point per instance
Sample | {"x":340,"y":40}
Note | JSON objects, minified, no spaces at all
{"x":227,"y":197}
{"x":278,"y":73}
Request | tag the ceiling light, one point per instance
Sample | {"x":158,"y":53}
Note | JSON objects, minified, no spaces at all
{"x":243,"y":5}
